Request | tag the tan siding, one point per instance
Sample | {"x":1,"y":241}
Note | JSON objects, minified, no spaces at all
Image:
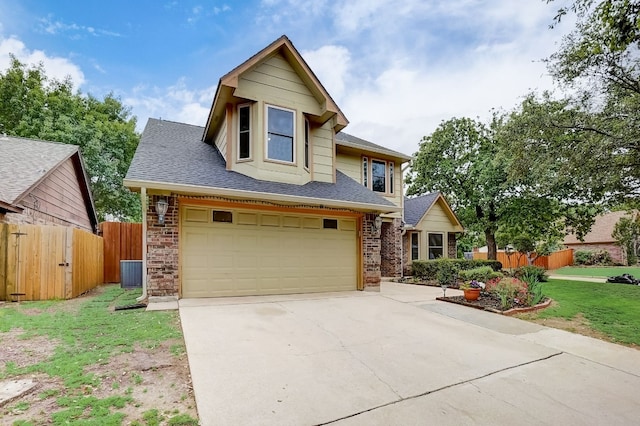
{"x":59,"y":195}
{"x":437,"y":219}
{"x":221,"y":139}
{"x":322,"y":151}
{"x":350,"y":165}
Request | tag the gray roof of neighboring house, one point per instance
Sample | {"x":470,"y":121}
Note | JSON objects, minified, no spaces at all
{"x":350,"y":141}
{"x":23,"y":162}
{"x":415,"y":208}
{"x":171,"y":152}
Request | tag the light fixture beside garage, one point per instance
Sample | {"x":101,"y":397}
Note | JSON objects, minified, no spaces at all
{"x":161,"y":209}
{"x":376,"y":225}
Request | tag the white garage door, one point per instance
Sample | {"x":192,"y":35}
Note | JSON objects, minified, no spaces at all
{"x":243,"y":252}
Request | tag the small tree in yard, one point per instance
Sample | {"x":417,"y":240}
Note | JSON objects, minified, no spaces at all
{"x":627,"y":235}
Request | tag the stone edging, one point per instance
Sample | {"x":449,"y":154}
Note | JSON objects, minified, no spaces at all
{"x":508,"y":312}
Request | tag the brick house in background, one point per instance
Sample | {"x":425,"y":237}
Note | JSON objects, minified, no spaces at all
{"x":44,"y":183}
{"x":599,"y":238}
{"x":270,"y":196}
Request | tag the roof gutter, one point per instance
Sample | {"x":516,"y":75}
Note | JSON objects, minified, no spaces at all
{"x":243,"y":194}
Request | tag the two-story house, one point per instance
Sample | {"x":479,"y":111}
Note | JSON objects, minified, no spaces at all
{"x":270,"y":196}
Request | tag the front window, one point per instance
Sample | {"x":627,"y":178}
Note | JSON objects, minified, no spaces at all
{"x":306,"y":143}
{"x":365,"y":171}
{"x":244,"y":132}
{"x":378,"y":176}
{"x":415,"y":246}
{"x":436,"y":247}
{"x":280,"y":131}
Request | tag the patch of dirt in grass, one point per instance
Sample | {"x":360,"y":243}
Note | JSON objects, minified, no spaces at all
{"x":154,"y":378}
{"x":23,"y":352}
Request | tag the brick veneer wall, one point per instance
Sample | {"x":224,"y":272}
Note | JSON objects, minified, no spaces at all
{"x":451,"y":245}
{"x":406,"y":252}
{"x":391,"y":248}
{"x":371,"y":254}
{"x":162,"y":249}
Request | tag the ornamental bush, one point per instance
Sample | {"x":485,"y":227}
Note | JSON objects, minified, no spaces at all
{"x":483,"y":273}
{"x":428,"y":269}
{"x":538,"y":272}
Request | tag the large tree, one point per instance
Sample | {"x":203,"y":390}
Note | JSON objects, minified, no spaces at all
{"x":599,"y":62}
{"x":34,"y":106}
{"x":459,"y":159}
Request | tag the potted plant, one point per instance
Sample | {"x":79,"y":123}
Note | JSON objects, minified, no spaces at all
{"x":471,"y":290}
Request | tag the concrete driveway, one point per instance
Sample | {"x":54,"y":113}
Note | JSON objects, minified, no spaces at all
{"x":397,"y":357}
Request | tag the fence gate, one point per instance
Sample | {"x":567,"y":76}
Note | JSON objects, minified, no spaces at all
{"x":37,"y":262}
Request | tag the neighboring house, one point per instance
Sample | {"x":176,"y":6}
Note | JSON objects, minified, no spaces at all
{"x":269,"y":197}
{"x":599,"y":238}
{"x":431,"y":228}
{"x":44,"y":183}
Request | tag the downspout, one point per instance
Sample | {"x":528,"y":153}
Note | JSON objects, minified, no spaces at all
{"x":143,"y":203}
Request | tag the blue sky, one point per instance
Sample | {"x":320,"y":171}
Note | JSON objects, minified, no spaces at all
{"x":397,"y":68}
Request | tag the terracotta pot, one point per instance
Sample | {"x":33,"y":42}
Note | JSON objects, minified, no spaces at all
{"x":471,"y":293}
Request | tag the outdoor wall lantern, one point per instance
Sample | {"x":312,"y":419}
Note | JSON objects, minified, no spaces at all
{"x":376,"y":225}
{"x":161,"y":209}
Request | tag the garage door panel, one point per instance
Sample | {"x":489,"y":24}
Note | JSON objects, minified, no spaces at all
{"x":227,"y":259}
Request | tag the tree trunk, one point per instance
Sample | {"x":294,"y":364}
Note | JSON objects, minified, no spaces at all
{"x":492,"y":249}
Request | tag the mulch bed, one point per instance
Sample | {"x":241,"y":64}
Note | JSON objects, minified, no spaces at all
{"x":490,"y":303}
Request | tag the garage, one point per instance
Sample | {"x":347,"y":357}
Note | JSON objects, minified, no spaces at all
{"x":236,"y":252}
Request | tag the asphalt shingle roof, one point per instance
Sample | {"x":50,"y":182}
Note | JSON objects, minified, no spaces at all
{"x":351,"y":141}
{"x":415,"y":208}
{"x":23,"y":162}
{"x":600,"y":231}
{"x":171,"y":152}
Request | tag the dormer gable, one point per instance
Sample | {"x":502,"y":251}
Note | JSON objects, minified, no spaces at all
{"x":272,"y":119}
{"x":228,"y":87}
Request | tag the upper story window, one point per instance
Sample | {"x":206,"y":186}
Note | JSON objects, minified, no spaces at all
{"x":244,"y":132}
{"x":378,"y":175}
{"x":280,"y":134}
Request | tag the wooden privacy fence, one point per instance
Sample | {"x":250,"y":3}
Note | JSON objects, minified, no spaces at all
{"x":122,"y":241}
{"x":555,"y":260}
{"x":48,"y":262}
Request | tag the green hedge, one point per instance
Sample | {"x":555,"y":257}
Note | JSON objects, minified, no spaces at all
{"x":429,"y":269}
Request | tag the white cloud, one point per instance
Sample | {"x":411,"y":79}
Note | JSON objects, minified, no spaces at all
{"x":331,"y":64}
{"x":56,"y":27}
{"x":55,"y":67}
{"x":175,"y":103}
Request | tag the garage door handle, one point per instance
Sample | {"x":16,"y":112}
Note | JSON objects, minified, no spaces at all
{"x":63,"y":264}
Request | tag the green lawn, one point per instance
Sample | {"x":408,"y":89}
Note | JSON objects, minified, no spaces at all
{"x":605,"y":271}
{"x":87,"y":332}
{"x":612,"y":309}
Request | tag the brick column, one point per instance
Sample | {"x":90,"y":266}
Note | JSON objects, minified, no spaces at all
{"x":391,"y":248}
{"x":162,"y":249}
{"x":371,"y":254}
{"x":452,"y":251}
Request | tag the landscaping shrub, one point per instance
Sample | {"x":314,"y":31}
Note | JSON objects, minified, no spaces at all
{"x":538,"y":272}
{"x":447,"y":272}
{"x":483,"y":273}
{"x":428,"y":269}
{"x":534,"y":286}
{"x":506,"y":289}
{"x":582,"y":257}
{"x":592,"y":257}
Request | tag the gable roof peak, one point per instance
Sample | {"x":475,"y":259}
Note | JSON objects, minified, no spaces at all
{"x":229,"y":82}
